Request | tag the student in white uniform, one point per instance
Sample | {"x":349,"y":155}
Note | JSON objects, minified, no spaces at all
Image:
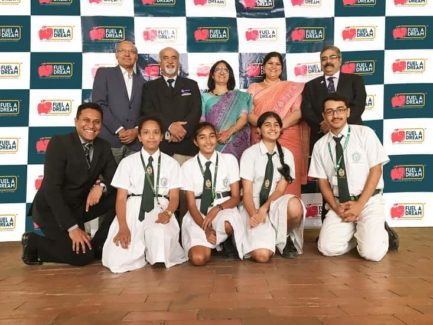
{"x":347,"y":161}
{"x":271,"y":218}
{"x":211,"y":182}
{"x":145,"y":229}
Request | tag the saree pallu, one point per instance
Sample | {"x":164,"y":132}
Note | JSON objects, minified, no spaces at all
{"x":284,"y":98}
{"x":223,"y":112}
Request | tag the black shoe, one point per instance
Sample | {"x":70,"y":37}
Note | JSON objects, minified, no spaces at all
{"x":394,"y":241}
{"x":289,"y":250}
{"x":229,"y":248}
{"x":30,"y":255}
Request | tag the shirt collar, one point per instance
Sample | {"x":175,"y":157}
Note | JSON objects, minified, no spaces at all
{"x":146,"y":155}
{"x":264,"y":150}
{"x":212,"y":159}
{"x":166,"y":78}
{"x":336,"y":76}
{"x":342,"y":133}
{"x":125,"y":72}
{"x":83,"y":141}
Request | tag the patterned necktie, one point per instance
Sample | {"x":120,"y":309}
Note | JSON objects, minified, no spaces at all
{"x":267,"y":182}
{"x":343,"y":187}
{"x":331,"y":86}
{"x":87,"y":147}
{"x":170,"y":83}
{"x":147,"y":199}
{"x":206,"y":195}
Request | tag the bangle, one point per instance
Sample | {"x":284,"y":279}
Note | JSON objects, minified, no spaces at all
{"x":220,"y":207}
{"x":168,"y":213}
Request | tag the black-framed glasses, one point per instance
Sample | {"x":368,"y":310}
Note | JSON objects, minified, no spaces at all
{"x":331,"y":57}
{"x":337,"y":111}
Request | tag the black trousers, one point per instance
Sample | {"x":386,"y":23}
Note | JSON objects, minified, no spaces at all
{"x":56,"y":246}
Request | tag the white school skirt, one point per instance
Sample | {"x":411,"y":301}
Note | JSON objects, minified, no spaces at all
{"x":193,"y":235}
{"x":150,"y":242}
{"x":273,"y":232}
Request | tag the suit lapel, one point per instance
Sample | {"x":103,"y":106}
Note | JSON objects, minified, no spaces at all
{"x":77,"y":147}
{"x":135,"y":85}
{"x":121,"y":81}
{"x":342,"y":83}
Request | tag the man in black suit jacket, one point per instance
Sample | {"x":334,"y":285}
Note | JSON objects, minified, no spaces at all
{"x":70,"y":194}
{"x":350,"y":86}
{"x":177,"y":103}
{"x":118,"y":91}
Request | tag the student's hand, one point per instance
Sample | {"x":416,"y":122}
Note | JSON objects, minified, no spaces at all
{"x":163,"y":218}
{"x":127,"y":136}
{"x":80,"y":239}
{"x":123,"y":237}
{"x":258,"y":218}
{"x":224,"y":136}
{"x":94,"y":196}
{"x":352,"y":210}
{"x":210,"y":235}
{"x":207,"y":222}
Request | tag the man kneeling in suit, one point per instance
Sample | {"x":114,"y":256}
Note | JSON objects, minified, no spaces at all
{"x":72,"y":194}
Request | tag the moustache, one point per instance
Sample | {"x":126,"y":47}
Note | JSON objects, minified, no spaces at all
{"x":329,"y":65}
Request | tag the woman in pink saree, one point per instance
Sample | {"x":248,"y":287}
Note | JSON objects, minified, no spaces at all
{"x":283,"y":98}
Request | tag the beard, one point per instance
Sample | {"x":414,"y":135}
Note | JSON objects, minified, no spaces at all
{"x":170,"y":71}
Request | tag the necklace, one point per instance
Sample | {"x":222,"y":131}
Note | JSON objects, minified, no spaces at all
{"x":270,"y":83}
{"x":219,"y":94}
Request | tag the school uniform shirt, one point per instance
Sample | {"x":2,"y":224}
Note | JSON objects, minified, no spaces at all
{"x":192,"y":180}
{"x":273,"y":232}
{"x":150,"y":241}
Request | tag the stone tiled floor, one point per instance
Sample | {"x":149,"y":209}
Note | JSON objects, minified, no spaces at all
{"x":308,"y":290}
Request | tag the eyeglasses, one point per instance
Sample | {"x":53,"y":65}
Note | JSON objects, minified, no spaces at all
{"x":338,"y":111}
{"x":331,"y":57}
{"x":122,"y":51}
{"x":222,"y":70}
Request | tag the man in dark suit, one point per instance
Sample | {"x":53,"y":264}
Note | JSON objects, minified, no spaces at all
{"x":70,"y":194}
{"x":118,"y":91}
{"x":350,"y":86}
{"x":177,"y":102}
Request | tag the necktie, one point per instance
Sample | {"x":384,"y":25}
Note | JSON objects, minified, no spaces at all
{"x":170,"y":83}
{"x":147,"y":199}
{"x":267,"y":182}
{"x":331,"y":86}
{"x":343,"y":187}
{"x":206,"y":195}
{"x":87,"y":147}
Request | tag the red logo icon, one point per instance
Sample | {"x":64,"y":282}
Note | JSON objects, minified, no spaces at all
{"x":398,"y":100}
{"x":400,"y":2}
{"x":349,"y":33}
{"x":151,"y":70}
{"x":253,"y":70}
{"x":203,"y":70}
{"x":297,"y":2}
{"x":399,"y":66}
{"x":42,"y":144}
{"x":45,"y":33}
{"x":38,"y":182}
{"x":45,"y":70}
{"x":348,"y":67}
{"x":397,"y":173}
{"x":201,"y":34}
{"x":349,"y":2}
{"x":397,"y":136}
{"x":200,"y":2}
{"x":397,"y":211}
{"x":44,"y":107}
{"x":298,"y":34}
{"x":97,"y":33}
{"x":148,"y":2}
{"x":43,"y":2}
{"x":252,"y":34}
{"x":150,"y":34}
{"x":301,"y":69}
{"x":95,"y":1}
{"x":399,"y":32}
{"x":249,"y":4}
{"x":312,"y":211}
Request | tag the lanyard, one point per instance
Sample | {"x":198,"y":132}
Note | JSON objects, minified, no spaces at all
{"x":337,"y":164}
{"x":214,"y":177}
{"x":154,"y":190}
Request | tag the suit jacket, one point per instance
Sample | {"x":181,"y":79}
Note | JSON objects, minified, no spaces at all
{"x":181,"y":104}
{"x":109,"y":91}
{"x":67,"y":180}
{"x":315,"y":91}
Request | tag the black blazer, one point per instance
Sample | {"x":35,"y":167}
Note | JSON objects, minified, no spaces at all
{"x":315,"y":91}
{"x":67,"y":180}
{"x":182,"y":104}
{"x":109,"y":91}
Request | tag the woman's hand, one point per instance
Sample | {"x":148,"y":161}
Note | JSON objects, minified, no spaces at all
{"x":224,"y":136}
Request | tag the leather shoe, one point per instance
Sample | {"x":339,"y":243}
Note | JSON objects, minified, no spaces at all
{"x":30,"y":255}
{"x":289,"y":250}
{"x":394,"y":240}
{"x":229,"y":248}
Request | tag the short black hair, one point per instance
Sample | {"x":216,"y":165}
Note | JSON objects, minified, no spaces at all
{"x":337,"y":98}
{"x":149,"y":118}
{"x":201,"y":126}
{"x":90,"y":105}
{"x":231,"y":83}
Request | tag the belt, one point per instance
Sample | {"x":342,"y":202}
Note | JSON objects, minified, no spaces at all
{"x":219,"y":195}
{"x":356,"y":197}
{"x":159,"y":195}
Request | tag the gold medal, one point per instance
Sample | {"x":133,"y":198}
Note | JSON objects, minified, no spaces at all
{"x":149,"y":170}
{"x":208,"y":183}
{"x":267,"y":183}
{"x":341,"y":172}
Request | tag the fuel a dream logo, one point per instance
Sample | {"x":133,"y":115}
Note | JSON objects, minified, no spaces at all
{"x":7,"y":222}
{"x":10,"y":33}
{"x":55,"y":107}
{"x":8,"y":183}
{"x":10,"y":107}
{"x":107,"y":33}
{"x":56,"y":33}
{"x":408,"y":135}
{"x":56,"y":2}
{"x":407,"y":211}
{"x":254,"y":70}
{"x":408,"y":66}
{"x":370,"y":102}
{"x":10,"y":70}
{"x":408,"y":100}
{"x":160,"y":34}
{"x":212,"y":34}
{"x":158,"y":2}
{"x":106,"y":2}
{"x":306,"y":3}
{"x":314,"y":210}
{"x":258,"y":4}
{"x":361,"y":67}
{"x":55,"y":70}
{"x":10,"y":2}
{"x":411,"y":3}
{"x":407,"y":173}
{"x":261,"y":34}
{"x":359,"y":33}
{"x":409,"y":32}
{"x":359,"y":3}
{"x":220,"y":3}
{"x":9,"y":145}
{"x":306,"y":69}
{"x":308,"y":34}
